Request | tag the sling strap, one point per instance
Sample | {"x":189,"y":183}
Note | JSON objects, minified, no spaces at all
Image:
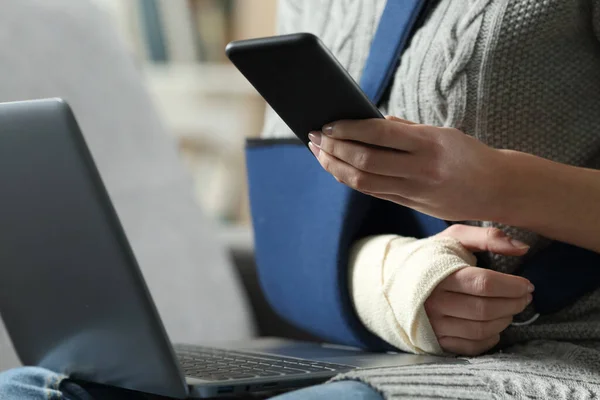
{"x":305,"y":223}
{"x":397,"y":25}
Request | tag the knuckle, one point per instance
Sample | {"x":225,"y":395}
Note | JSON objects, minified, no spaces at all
{"x":434,"y":174}
{"x":482,"y":283}
{"x":481,"y":309}
{"x":494,"y":233}
{"x":358,"y":180}
{"x":363,"y":160}
{"x":435,"y":171}
{"x":456,"y":230}
{"x":337,"y":129}
{"x":425,"y":132}
{"x":386,"y":130}
{"x":480,"y":331}
{"x":436,"y":142}
{"x":450,"y":231}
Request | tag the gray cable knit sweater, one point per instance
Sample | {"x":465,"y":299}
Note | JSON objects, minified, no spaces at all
{"x":517,"y":74}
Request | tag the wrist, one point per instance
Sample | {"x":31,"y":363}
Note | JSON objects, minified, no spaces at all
{"x":521,"y":188}
{"x":555,"y":200}
{"x":499,"y":181}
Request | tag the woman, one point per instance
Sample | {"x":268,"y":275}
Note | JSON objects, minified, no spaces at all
{"x":503,"y":99}
{"x":513,"y":84}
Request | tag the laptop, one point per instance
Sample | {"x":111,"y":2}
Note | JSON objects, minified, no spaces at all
{"x":73,"y":298}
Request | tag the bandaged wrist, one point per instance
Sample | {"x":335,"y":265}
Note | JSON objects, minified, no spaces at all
{"x":391,"y":277}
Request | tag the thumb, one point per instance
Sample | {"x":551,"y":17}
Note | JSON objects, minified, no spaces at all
{"x":475,"y":239}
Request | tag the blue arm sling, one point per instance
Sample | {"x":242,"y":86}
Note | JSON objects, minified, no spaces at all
{"x":305,"y":222}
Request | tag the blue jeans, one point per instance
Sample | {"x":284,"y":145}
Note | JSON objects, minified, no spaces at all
{"x":31,"y":383}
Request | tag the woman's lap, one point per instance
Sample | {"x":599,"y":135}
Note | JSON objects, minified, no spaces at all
{"x":346,"y":390}
{"x":31,"y":383}
{"x":538,"y":369}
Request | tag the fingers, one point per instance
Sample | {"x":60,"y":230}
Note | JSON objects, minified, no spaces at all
{"x":467,"y":329}
{"x":468,"y":347}
{"x":355,"y":178}
{"x":475,"y":239}
{"x":379,"y":132}
{"x":474,"y":308}
{"x":378,"y":160}
{"x":476,"y":281}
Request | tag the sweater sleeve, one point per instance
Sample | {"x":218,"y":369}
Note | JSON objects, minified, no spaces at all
{"x":289,"y":20}
{"x":391,"y":277}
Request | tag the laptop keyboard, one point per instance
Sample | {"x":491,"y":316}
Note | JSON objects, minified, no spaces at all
{"x":221,"y":365}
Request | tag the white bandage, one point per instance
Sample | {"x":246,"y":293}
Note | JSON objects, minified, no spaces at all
{"x":391,"y":277}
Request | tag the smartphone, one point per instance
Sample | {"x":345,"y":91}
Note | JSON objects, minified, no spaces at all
{"x":301,"y":80}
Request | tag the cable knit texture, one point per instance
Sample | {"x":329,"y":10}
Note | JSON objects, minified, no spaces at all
{"x":516,"y":74}
{"x":389,"y":291}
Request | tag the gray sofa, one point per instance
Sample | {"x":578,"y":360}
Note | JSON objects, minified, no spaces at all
{"x":69,"y":49}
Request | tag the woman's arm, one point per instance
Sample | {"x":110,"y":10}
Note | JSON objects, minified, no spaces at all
{"x":447,"y":174}
{"x":558,"y":201}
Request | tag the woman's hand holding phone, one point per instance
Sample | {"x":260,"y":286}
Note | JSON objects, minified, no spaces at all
{"x":438,"y":171}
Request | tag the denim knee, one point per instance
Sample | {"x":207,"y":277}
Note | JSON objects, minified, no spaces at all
{"x":343,"y":390}
{"x":30,"y":383}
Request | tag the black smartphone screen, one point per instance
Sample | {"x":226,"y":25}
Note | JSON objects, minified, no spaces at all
{"x":301,"y":80}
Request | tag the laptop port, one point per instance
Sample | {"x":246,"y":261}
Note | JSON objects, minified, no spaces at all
{"x":269,"y":385}
{"x":225,"y":390}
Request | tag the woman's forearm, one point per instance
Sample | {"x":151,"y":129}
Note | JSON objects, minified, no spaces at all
{"x":555,"y":200}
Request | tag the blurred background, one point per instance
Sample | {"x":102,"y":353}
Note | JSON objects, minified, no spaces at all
{"x":202,"y":277}
{"x":208,"y":106}
{"x":210,"y":109}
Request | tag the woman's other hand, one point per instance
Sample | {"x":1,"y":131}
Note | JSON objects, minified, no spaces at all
{"x":439,"y":171}
{"x":471,"y":307}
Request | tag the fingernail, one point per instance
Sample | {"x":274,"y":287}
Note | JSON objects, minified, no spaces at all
{"x":530,"y":288}
{"x":314,"y":149}
{"x":518,"y":244}
{"x":315,"y":138}
{"x":529,"y":298}
{"x":328,"y":129}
